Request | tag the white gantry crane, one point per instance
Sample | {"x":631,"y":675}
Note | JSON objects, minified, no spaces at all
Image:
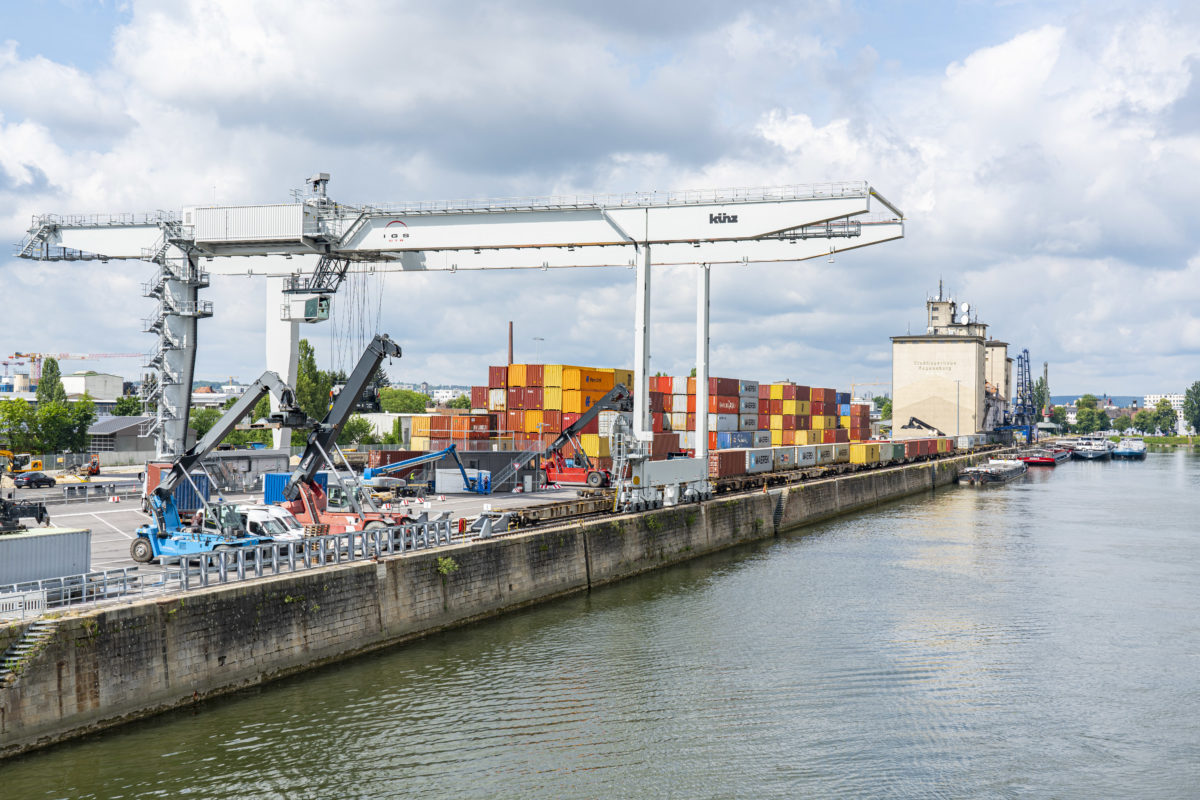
{"x":642,"y":230}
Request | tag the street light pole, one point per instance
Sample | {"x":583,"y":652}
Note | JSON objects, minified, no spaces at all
{"x":537,"y":355}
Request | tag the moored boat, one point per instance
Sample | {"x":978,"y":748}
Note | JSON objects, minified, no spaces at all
{"x":996,"y":471}
{"x":1131,"y":448}
{"x":1091,"y":450}
{"x":1040,"y":458}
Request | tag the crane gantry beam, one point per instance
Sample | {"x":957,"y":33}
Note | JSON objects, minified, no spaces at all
{"x":640,"y":231}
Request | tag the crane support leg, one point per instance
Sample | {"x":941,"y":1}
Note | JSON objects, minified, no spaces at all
{"x":283,"y":349}
{"x":642,"y":429}
{"x":178,"y":351}
{"x":702,"y":287}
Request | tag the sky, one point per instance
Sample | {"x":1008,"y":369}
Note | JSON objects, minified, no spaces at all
{"x":1045,"y":155}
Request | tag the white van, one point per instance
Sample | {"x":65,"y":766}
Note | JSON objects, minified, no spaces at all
{"x":272,"y":521}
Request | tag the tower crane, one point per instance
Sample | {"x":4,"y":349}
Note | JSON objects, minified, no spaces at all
{"x":36,"y":359}
{"x":638,"y":230}
{"x":854,"y":387}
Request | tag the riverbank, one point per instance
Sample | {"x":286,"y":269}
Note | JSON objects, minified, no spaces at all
{"x":93,"y":670}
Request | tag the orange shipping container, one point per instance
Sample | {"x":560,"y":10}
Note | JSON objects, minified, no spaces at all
{"x":533,"y":374}
{"x":533,"y":421}
{"x":516,"y":375}
{"x":582,"y":379}
{"x":439,"y":426}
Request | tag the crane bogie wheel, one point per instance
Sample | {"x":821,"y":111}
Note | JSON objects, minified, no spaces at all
{"x":374,"y":524}
{"x":595,"y":480}
{"x":140,"y":550}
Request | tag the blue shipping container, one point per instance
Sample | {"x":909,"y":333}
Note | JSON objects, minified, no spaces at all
{"x":186,"y":499}
{"x":845,"y":409}
{"x":742,"y":438}
{"x":843,"y":397}
{"x":273,"y":483}
{"x":724,"y":440}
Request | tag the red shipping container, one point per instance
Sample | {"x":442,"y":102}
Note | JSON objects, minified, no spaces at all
{"x":534,"y":374}
{"x":570,"y":419}
{"x":803,"y":393}
{"x":514,"y":420}
{"x":728,"y":387}
{"x":515,"y":399}
{"x":764,"y":420}
{"x":841,"y":435}
{"x":552,"y":421}
{"x":439,"y":426}
{"x":764,"y":391}
{"x":656,"y":403}
{"x":789,"y":391}
{"x":534,"y":397}
{"x":726,"y":463}
{"x":817,"y":408}
{"x":662,"y":444}
{"x":789,"y":438}
{"x":479,"y":396}
{"x":712,"y":440}
{"x":656,"y":423}
{"x":803,"y":422}
{"x":691,"y":422}
{"x":497,"y":377}
{"x":775,"y":406}
{"x":668,"y":403}
{"x":828,"y":436}
{"x":789,"y":424}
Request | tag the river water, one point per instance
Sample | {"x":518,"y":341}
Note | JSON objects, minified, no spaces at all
{"x":1040,"y":639}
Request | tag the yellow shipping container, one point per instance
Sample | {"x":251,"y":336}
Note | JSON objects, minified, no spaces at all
{"x":844,"y":420}
{"x":553,"y":375}
{"x":864,"y":453}
{"x":624,"y":377}
{"x":575,"y":402}
{"x":776,"y":391}
{"x":583,"y":379}
{"x":777,"y":423}
{"x":777,"y":438}
{"x":419,"y":443}
{"x":818,"y":422}
{"x":943,"y":445}
{"x":595,"y":445}
{"x":533,"y":421}
{"x":516,"y":375}
{"x":803,"y":408}
{"x":552,"y":398}
{"x":791,"y":407}
{"x":420,"y":426}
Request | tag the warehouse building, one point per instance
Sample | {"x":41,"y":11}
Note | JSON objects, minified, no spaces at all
{"x":952,"y":379}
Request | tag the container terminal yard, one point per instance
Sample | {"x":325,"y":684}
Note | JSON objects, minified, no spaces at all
{"x":559,"y":478}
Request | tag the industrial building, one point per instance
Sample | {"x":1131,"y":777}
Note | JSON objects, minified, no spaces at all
{"x":952,"y":379}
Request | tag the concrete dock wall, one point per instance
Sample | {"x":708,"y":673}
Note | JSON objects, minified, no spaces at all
{"x":106,"y":666}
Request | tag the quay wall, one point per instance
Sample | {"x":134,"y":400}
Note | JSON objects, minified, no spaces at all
{"x":109,"y":665}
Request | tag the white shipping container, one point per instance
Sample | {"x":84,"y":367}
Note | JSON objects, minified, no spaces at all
{"x":687,"y":440}
{"x":679,"y":403}
{"x":748,"y":389}
{"x":841,"y":452}
{"x":824,"y":453}
{"x":497,"y":399}
{"x":966,"y":442}
{"x":678,"y":420}
{"x":273,"y":223}
{"x":806,"y":455}
{"x":759,"y":459}
{"x":722,"y":422}
{"x":783,"y":457}
{"x":762,"y":438}
{"x":679,"y":386}
{"x":607,"y":419}
{"x":43,"y":553}
{"x":446,"y":481}
{"x":748,"y":422}
{"x":748,"y":405}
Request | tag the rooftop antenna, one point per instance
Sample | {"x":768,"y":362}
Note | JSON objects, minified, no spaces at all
{"x":939,"y":287}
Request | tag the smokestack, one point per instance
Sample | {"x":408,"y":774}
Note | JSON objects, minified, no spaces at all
{"x":510,"y":331}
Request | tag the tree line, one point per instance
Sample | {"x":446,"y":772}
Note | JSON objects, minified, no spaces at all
{"x":1089,"y":417}
{"x":54,"y":425}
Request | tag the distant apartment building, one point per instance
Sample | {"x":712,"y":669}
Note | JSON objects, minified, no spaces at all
{"x":1176,"y":401}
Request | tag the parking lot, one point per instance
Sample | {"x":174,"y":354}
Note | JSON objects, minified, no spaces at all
{"x":114,"y":525}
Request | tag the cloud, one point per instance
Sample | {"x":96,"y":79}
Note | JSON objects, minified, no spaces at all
{"x":1046,"y":174}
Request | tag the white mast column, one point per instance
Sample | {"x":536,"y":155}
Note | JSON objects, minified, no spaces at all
{"x":283,"y":349}
{"x":642,"y":429}
{"x":702,"y":287}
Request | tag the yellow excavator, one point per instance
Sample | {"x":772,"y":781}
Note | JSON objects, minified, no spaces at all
{"x":16,"y":463}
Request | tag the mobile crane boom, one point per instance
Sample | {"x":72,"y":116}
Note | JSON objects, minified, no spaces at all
{"x":472,"y":484}
{"x":166,"y":536}
{"x":325,"y":434}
